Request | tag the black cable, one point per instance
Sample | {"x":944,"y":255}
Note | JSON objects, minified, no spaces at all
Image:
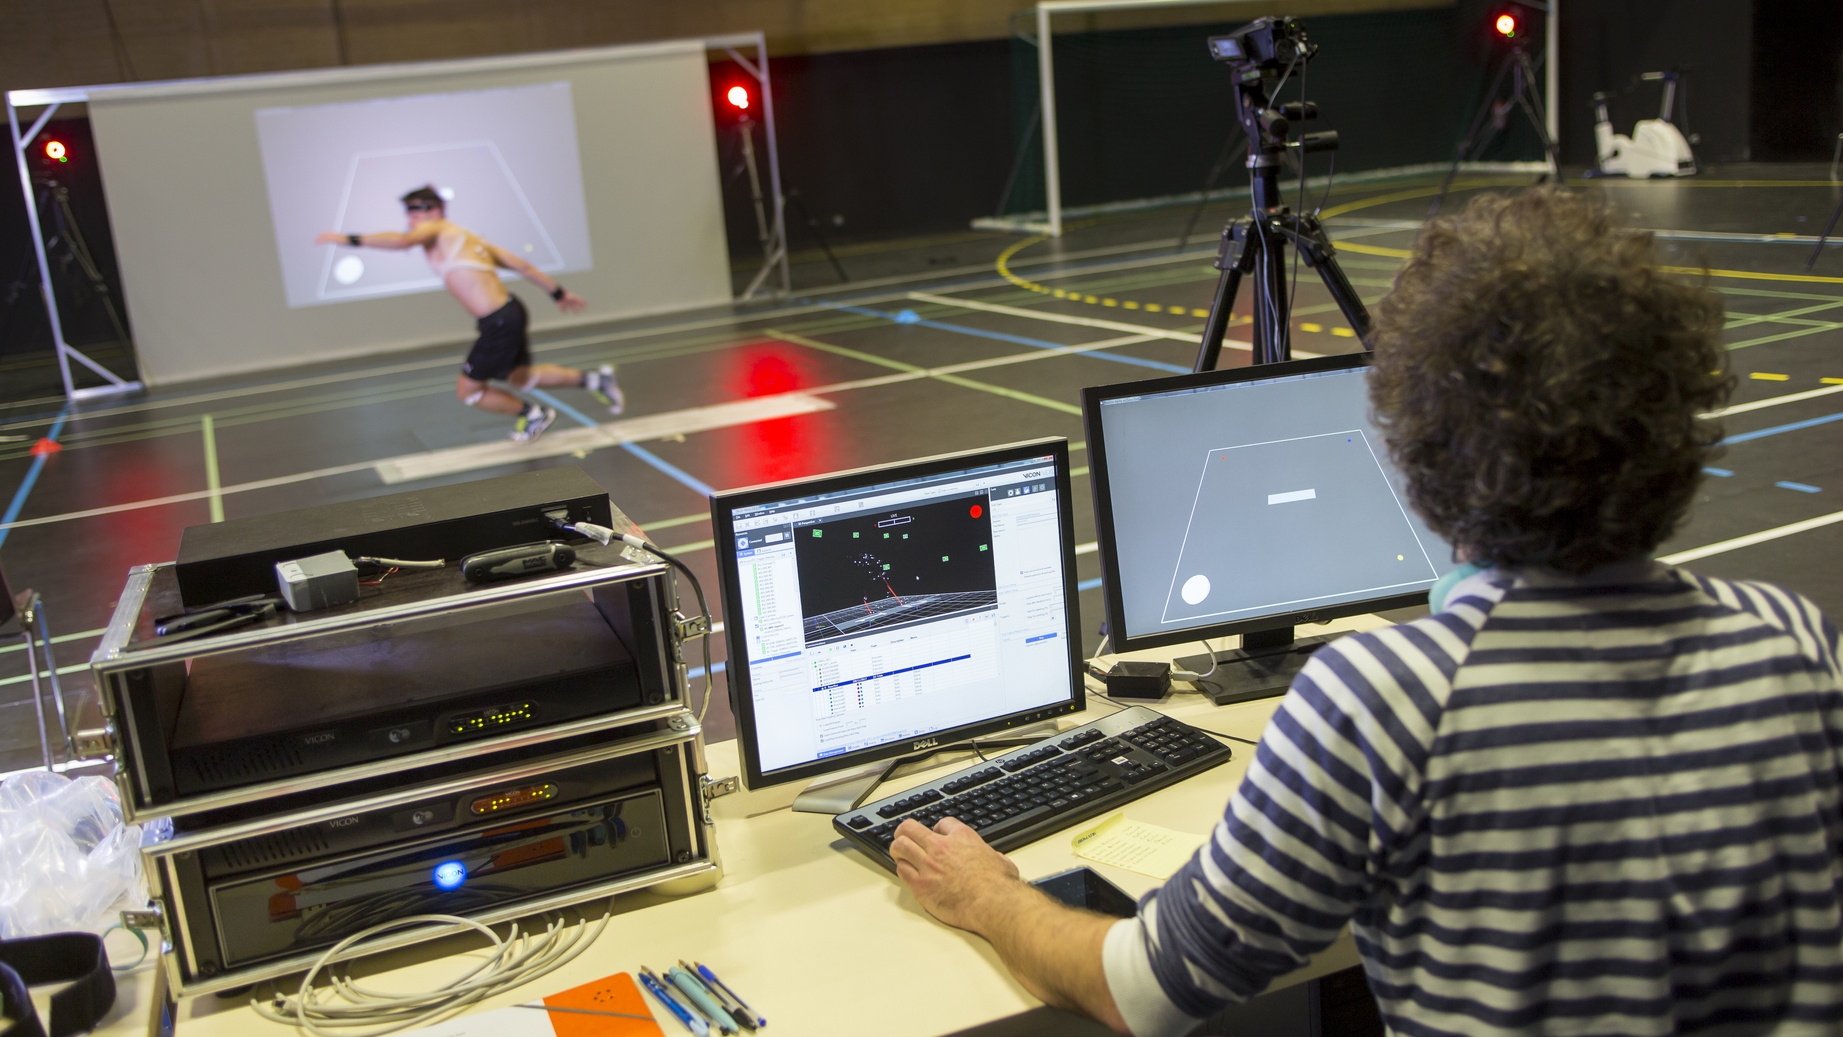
{"x":1298,"y":214}
{"x":703,"y":607}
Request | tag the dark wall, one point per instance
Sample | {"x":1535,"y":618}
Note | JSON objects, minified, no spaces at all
{"x":902,"y":141}
{"x":1605,"y":45}
{"x":1797,"y":88}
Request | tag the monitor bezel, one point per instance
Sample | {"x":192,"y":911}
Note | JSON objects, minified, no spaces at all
{"x":1121,"y":638}
{"x":742,"y":702}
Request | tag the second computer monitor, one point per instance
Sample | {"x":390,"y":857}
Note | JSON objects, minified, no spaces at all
{"x":888,"y":610}
{"x":1250,"y":500}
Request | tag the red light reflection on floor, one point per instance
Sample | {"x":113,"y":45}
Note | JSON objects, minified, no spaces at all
{"x":785,"y":448}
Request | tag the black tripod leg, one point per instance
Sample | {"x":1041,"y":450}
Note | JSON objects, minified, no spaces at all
{"x":1233,"y":264}
{"x":1465,"y":146}
{"x":1532,"y":106}
{"x":1319,"y":256}
{"x":1821,"y":238}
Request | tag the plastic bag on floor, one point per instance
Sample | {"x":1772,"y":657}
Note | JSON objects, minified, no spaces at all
{"x":67,"y":862}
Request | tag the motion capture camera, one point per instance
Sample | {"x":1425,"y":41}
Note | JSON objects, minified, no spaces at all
{"x":1268,"y":44}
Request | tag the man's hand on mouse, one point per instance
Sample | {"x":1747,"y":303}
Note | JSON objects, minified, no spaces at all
{"x":953,"y":873}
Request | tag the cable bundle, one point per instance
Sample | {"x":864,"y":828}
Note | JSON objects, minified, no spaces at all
{"x":346,"y":1009}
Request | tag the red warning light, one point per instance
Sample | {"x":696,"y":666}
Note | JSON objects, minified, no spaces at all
{"x":976,"y":511}
{"x":1506,"y":25}
{"x":55,"y":150}
{"x":738,"y":97}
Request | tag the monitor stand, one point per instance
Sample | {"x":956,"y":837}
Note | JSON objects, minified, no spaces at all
{"x":1263,"y":667}
{"x":844,"y":790}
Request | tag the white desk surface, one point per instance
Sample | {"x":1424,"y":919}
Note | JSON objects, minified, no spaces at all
{"x":817,"y":937}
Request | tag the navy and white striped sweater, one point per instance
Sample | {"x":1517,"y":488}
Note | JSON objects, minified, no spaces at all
{"x":1597,"y":806}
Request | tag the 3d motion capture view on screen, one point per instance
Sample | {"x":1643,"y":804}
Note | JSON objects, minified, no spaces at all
{"x":504,"y":162}
{"x":1254,"y":498}
{"x":885,"y":569}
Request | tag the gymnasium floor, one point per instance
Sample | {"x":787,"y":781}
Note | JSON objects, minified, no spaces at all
{"x":936,"y":345}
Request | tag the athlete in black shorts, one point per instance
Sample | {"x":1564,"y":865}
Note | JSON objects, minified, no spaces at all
{"x":469,"y":268}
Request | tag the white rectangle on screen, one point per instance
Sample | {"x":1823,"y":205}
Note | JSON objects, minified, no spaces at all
{"x":1288,"y":498}
{"x":504,"y":160}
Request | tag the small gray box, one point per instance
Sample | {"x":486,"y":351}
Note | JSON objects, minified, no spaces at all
{"x":317,"y":581}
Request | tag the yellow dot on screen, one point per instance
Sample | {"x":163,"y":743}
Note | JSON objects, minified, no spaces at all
{"x":1399,"y":558}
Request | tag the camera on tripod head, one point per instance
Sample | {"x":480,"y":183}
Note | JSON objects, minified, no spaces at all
{"x":1268,"y":44}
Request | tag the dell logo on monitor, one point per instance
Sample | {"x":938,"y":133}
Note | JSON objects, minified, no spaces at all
{"x":927,"y":743}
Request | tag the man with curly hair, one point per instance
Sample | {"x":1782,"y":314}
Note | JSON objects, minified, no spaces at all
{"x":1591,"y":793}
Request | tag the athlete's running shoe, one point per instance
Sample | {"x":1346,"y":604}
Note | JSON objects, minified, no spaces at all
{"x":602,"y":384}
{"x":532,"y":424}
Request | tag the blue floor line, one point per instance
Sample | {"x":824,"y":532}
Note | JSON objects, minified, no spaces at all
{"x":1776,"y":429}
{"x":1800,"y":487}
{"x":1036,"y":343}
{"x":1088,"y":585}
{"x":698,"y":671}
{"x":25,"y":485}
{"x":685,"y":478}
{"x":695,"y":484}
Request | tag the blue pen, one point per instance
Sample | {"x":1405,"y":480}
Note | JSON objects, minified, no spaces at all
{"x":692,"y":1022}
{"x":704,"y":970}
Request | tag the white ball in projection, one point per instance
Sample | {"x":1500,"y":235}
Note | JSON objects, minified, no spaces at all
{"x":1195,"y":589}
{"x":348,"y":270}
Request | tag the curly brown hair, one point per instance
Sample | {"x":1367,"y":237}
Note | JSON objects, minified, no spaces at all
{"x":1539,"y":380}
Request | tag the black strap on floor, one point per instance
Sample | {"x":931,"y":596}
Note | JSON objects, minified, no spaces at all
{"x":74,"y":958}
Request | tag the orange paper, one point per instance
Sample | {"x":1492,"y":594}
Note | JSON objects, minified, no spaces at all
{"x":616,"y":993}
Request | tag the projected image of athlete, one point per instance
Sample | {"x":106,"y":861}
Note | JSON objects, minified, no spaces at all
{"x":469,"y":267}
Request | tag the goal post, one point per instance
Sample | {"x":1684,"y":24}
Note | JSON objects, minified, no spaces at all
{"x":1051,"y":220}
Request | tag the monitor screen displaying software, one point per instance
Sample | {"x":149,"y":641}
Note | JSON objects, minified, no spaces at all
{"x":885,"y":613}
{"x":1239,"y":499}
{"x":504,"y":160}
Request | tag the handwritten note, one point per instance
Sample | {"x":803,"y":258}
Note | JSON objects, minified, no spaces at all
{"x":1136,"y":846}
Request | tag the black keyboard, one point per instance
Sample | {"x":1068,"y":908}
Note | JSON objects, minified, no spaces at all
{"x":1047,"y":786}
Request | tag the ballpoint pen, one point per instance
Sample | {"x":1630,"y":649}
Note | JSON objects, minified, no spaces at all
{"x":701,"y":997}
{"x":692,"y":1020}
{"x":743,"y":1016}
{"x":718,"y":984}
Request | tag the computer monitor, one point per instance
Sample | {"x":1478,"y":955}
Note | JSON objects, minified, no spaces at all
{"x":1247,"y":501}
{"x":890,"y":610}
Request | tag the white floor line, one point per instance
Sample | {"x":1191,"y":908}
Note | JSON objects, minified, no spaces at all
{"x":1775,"y":401}
{"x":1724,"y":546}
{"x":474,"y":456}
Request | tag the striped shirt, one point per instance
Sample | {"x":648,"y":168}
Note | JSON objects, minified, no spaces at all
{"x":1582,"y":806}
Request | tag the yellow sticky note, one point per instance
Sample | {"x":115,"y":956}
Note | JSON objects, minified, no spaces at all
{"x":1136,"y":846}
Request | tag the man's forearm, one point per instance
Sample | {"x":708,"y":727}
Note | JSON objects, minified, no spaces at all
{"x":1053,"y":950}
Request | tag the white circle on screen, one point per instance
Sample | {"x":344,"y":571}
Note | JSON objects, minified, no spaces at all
{"x":348,"y":270}
{"x":1195,"y":589}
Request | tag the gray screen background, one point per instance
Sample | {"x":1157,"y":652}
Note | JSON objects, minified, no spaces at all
{"x":201,"y":262}
{"x":1282,"y":436}
{"x":505,"y":159}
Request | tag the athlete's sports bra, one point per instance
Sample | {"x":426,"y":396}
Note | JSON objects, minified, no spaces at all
{"x":454,"y":260}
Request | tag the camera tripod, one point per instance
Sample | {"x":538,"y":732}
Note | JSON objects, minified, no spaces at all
{"x":1256,"y":244}
{"x":1523,"y":96}
{"x":68,"y":248}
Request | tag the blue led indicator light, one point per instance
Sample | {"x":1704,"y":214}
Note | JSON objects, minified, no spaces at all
{"x":450,"y":874}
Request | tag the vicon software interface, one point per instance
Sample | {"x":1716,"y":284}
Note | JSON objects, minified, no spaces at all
{"x":1255,"y":498}
{"x":893,"y":612}
{"x":505,"y":162}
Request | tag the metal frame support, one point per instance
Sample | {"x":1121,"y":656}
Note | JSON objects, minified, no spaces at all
{"x":112,"y":383}
{"x":1052,"y":160}
{"x":776,"y":257}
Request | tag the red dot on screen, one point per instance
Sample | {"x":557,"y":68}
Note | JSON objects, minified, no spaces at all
{"x":976,"y":511}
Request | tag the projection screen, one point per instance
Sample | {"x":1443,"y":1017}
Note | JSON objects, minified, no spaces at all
{"x":598,"y":166}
